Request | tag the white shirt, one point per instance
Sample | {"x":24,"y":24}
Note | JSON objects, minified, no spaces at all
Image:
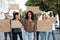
{"x":57,"y":20}
{"x":53,"y":24}
{"x":2,"y":16}
{"x":11,"y":13}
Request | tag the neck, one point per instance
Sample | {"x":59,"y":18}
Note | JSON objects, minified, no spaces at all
{"x":6,"y":18}
{"x":16,"y":19}
{"x":29,"y":19}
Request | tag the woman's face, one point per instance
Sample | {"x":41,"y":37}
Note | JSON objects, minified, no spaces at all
{"x":29,"y":15}
{"x":17,"y":17}
{"x":51,"y":14}
{"x":44,"y":16}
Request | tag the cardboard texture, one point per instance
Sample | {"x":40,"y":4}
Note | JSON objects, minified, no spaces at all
{"x":16,"y":24}
{"x":54,"y":19}
{"x":45,"y":26}
{"x":5,"y":25}
{"x":35,"y":10}
{"x":14,"y":7}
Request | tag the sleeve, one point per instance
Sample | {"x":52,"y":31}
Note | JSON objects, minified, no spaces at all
{"x":57,"y":20}
{"x":23,"y":21}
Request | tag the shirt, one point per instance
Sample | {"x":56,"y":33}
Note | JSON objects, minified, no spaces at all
{"x":28,"y":25}
{"x":53,"y":24}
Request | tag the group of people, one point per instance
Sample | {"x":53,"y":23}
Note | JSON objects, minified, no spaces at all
{"x":46,"y":35}
{"x":29,"y":27}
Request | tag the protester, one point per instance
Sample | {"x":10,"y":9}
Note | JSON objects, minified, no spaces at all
{"x":53,"y":27}
{"x":29,"y":25}
{"x":16,"y":31}
{"x":5,"y":33}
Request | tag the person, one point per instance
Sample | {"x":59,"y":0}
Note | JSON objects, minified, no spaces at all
{"x":42,"y":35}
{"x":53,"y":28}
{"x":29,"y":25}
{"x":38,"y":33}
{"x":35,"y":32}
{"x":57,"y":22}
{"x":16,"y":31}
{"x":5,"y":33}
{"x":1,"y":18}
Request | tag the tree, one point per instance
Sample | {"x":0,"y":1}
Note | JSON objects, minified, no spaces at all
{"x":44,"y":5}
{"x":23,"y":14}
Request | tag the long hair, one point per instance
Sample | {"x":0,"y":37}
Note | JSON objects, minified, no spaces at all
{"x":32,"y":14}
{"x":51,"y":14}
{"x":43,"y":17}
{"x":14,"y":14}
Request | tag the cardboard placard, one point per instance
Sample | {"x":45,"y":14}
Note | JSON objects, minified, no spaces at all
{"x":54,"y":19}
{"x":16,"y":24}
{"x":5,"y":25}
{"x":35,"y":10}
{"x":44,"y":26}
{"x":14,"y":7}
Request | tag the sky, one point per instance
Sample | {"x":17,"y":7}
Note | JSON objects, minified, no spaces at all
{"x":4,"y":4}
{"x":21,"y":4}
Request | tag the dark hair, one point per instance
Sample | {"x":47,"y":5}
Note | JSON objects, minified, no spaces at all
{"x":51,"y":14}
{"x":32,"y":14}
{"x":14,"y":14}
{"x":36,"y":17}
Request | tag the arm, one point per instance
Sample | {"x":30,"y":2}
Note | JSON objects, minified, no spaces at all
{"x":23,"y":21}
{"x":57,"y":22}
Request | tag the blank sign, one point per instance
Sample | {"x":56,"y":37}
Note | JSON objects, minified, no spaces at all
{"x":14,"y":6}
{"x":34,"y":9}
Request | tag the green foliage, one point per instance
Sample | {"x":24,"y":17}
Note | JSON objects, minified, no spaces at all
{"x":44,"y":5}
{"x":23,"y":14}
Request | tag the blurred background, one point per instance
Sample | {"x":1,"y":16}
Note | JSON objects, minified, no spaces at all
{"x":44,"y":6}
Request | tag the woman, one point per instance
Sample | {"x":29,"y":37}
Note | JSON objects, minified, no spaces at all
{"x":16,"y":31}
{"x":38,"y":32}
{"x":53,"y":27}
{"x":5,"y":33}
{"x":43,"y":34}
{"x":29,"y":25}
